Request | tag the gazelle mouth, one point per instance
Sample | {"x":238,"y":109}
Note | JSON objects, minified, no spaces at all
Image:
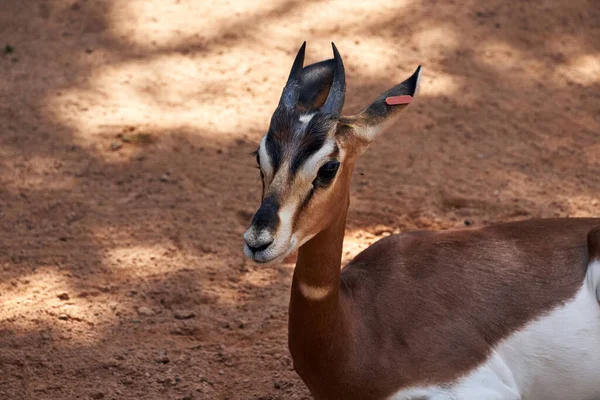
{"x":262,"y":257}
{"x":271,"y":254}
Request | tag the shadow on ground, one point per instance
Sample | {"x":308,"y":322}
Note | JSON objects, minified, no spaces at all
{"x":127,"y":181}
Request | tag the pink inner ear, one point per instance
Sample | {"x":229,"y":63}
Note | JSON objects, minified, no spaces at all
{"x":395,"y":100}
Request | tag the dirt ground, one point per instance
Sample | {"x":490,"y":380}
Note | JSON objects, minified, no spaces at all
{"x":126,"y":179}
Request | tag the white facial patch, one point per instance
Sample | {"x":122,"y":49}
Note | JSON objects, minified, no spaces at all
{"x":284,"y":243}
{"x":265,"y":160}
{"x":305,"y":118}
{"x":310,"y":166}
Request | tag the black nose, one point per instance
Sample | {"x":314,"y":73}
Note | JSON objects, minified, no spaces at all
{"x":267,"y":215}
{"x":258,"y":246}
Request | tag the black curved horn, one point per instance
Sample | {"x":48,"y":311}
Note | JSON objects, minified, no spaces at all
{"x":291,"y":91}
{"x":337,"y":94}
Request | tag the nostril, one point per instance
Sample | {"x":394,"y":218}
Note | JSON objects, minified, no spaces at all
{"x":261,"y":247}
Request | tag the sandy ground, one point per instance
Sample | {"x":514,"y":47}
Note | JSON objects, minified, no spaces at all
{"x":126,"y":179}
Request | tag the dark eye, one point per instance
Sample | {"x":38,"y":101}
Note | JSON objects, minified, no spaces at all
{"x":326,"y":173}
{"x":262,"y":176}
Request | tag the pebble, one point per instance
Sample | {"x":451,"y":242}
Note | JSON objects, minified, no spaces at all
{"x":63,"y":296}
{"x":63,"y":317}
{"x":162,"y":358}
{"x":145,"y":311}
{"x":97,"y":395}
{"x":183,"y":314}
{"x":165,"y":178}
{"x":114,"y":146}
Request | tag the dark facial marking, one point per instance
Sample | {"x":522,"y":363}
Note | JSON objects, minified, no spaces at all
{"x":262,"y":175}
{"x":267,"y":216}
{"x":274,"y":149}
{"x":311,"y":141}
{"x":288,"y":136}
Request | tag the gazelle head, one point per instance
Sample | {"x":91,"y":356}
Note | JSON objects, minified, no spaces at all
{"x":307,"y":156}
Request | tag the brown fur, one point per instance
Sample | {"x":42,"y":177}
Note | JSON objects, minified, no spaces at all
{"x":427,"y":307}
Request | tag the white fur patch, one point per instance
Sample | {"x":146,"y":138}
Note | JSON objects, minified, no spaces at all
{"x":310,"y":166}
{"x":283,"y":243}
{"x":305,"y":118}
{"x":314,"y":293}
{"x":265,"y":159}
{"x":556,"y":357}
{"x":369,"y":132}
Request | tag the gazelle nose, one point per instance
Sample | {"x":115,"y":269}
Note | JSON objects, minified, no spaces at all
{"x":258,"y":241}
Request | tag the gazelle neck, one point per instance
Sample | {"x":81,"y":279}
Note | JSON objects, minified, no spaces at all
{"x":317,"y":272}
{"x":318,"y":327}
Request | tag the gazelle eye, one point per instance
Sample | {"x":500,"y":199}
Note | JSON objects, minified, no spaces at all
{"x":326,"y":173}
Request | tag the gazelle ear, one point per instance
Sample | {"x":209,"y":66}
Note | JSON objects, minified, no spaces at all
{"x":384,"y":110}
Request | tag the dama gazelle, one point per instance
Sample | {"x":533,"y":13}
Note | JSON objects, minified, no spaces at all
{"x":502,"y":312}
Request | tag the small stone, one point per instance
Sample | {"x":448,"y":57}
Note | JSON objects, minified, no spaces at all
{"x":221,"y":372}
{"x":145,"y":311}
{"x":72,"y":217}
{"x":63,"y":317}
{"x":162,"y":358}
{"x":63,"y":296}
{"x":467,"y":222}
{"x":114,"y":146}
{"x":41,"y":388}
{"x":276,"y":385}
{"x":109,"y":364}
{"x":183,"y":314}
{"x":165,"y":178}
{"x":166,"y":381}
{"x":97,"y":395}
